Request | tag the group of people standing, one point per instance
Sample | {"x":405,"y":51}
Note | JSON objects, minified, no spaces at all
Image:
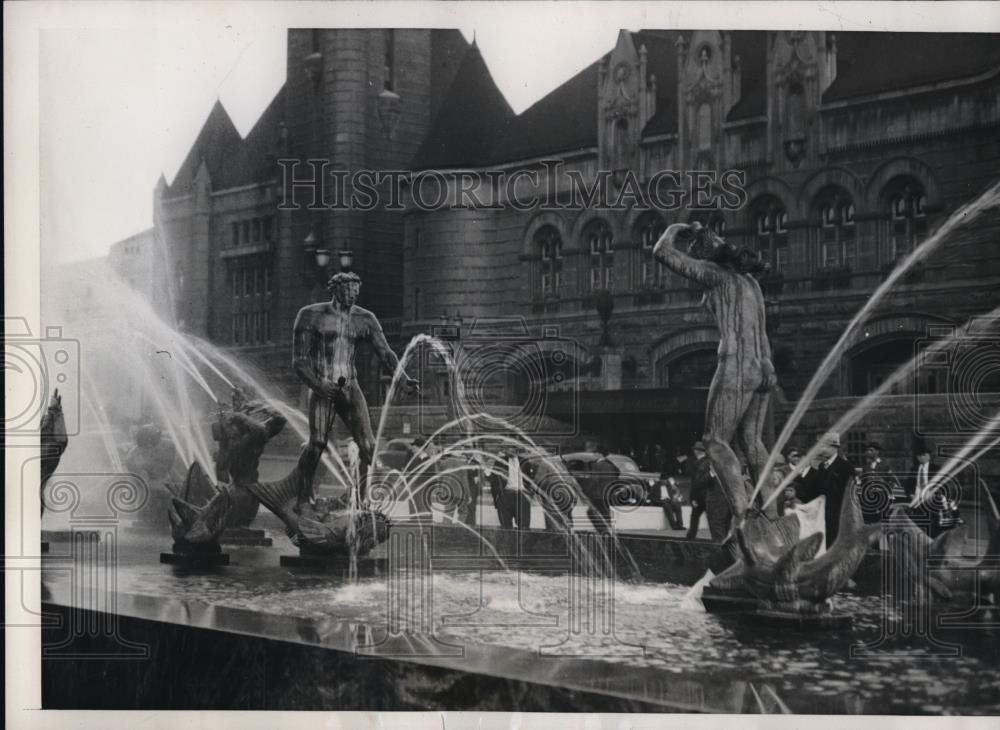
{"x":831,"y":473}
{"x":829,"y":476}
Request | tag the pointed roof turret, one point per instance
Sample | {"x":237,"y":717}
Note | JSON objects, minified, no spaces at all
{"x":253,"y":160}
{"x":472,"y":118}
{"x":215,"y":142}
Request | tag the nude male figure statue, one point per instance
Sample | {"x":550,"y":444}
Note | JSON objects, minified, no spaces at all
{"x":744,"y":377}
{"x":326,"y":335}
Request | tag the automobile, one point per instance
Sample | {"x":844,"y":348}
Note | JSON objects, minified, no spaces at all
{"x":632,"y":486}
{"x":449,"y":476}
{"x":394,"y":455}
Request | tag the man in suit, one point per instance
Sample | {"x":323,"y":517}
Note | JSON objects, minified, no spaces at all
{"x":934,"y":512}
{"x":877,"y":476}
{"x":701,"y":479}
{"x":833,"y":475}
{"x":806,"y":484}
{"x":707,"y":498}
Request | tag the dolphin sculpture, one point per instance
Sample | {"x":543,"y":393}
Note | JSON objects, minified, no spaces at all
{"x":197,"y":528}
{"x":322,"y":526}
{"x":800,"y":580}
{"x":950,"y":572}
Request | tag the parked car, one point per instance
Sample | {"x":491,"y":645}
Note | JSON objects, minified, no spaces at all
{"x":632,"y":486}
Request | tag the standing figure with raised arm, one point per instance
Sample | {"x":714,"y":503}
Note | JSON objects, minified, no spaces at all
{"x":326,"y":336}
{"x":744,"y":377}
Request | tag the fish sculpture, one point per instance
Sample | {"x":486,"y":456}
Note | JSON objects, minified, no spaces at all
{"x":801,"y":580}
{"x":201,"y":510}
{"x":320,"y":526}
{"x":52,"y":440}
{"x":197,"y":528}
{"x":767,"y":538}
{"x":242,"y":433}
{"x":947,"y":571}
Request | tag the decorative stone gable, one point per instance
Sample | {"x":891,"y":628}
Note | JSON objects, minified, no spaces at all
{"x":626,"y":101}
{"x":702,"y":80}
{"x":801,"y":66}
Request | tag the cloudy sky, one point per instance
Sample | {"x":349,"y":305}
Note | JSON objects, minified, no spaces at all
{"x":124,"y":87}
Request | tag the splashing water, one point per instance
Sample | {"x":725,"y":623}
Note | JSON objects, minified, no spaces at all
{"x":860,"y":408}
{"x":964,"y":215}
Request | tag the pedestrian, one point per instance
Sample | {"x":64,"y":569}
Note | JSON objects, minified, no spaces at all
{"x":933,"y":511}
{"x":603,"y":475}
{"x":515,"y":495}
{"x":555,"y":488}
{"x":420,"y":474}
{"x":834,"y":474}
{"x":671,"y":501}
{"x":788,"y":500}
{"x":879,"y":486}
{"x":497,"y":482}
{"x":700,"y":482}
{"x":717,"y":508}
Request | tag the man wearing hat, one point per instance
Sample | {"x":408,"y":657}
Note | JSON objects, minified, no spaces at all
{"x":325,"y":338}
{"x":833,"y":475}
{"x":876,"y":475}
{"x":934,"y":511}
{"x":702,"y":482}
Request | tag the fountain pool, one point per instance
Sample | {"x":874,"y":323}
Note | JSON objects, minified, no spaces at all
{"x":638,"y":644}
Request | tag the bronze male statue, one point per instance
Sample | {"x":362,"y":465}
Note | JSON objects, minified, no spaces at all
{"x":326,"y":335}
{"x":738,"y":395}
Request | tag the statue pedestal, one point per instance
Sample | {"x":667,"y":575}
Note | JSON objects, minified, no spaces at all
{"x":716,"y":601}
{"x":196,"y":556}
{"x":748,"y":610}
{"x":246,"y":536}
{"x":195,"y":560}
{"x":367,"y":567}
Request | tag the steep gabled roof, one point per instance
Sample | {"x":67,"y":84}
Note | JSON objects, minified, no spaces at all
{"x":566,"y":119}
{"x":870,"y":63}
{"x":751,"y":47}
{"x":472,"y":117}
{"x":216,"y":141}
{"x":251,"y":161}
{"x":562,"y":121}
{"x":448,"y":49}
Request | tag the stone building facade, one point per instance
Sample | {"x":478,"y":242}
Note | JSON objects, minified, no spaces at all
{"x":850,"y":149}
{"x":243,"y":244}
{"x":854,"y":148}
{"x":140,"y":262}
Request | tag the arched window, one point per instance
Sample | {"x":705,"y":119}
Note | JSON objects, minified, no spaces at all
{"x":548,"y":244}
{"x":693,"y":369}
{"x":907,"y":220}
{"x":599,"y":242}
{"x":648,"y":232}
{"x":837,"y":233}
{"x":770,"y":236}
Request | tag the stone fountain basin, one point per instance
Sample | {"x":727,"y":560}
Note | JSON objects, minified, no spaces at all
{"x":256,"y":636}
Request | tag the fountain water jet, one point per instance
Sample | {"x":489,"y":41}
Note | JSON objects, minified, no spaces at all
{"x":962,"y":216}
